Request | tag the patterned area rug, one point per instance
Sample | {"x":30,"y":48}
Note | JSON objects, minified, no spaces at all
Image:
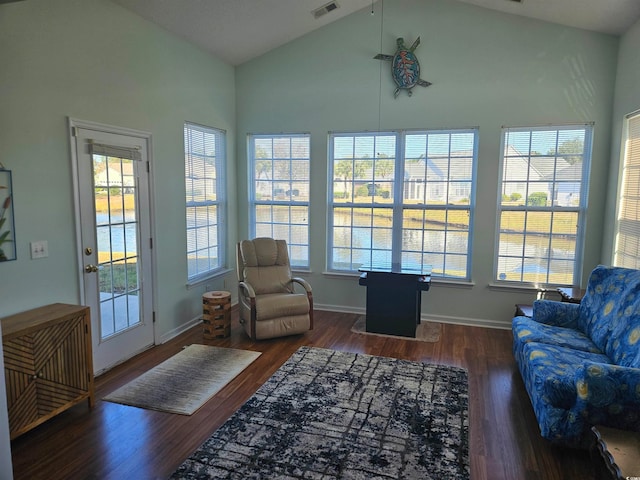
{"x":337,"y":415}
{"x":425,"y":331}
{"x":184,"y":382}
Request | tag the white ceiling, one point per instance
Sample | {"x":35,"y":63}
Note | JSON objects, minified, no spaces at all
{"x":238,"y":30}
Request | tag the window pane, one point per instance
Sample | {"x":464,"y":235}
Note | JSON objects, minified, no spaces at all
{"x":542,"y":204}
{"x":438,"y":234}
{"x":362,"y":237}
{"x":341,"y":237}
{"x":280,"y":165}
{"x":205,"y":197}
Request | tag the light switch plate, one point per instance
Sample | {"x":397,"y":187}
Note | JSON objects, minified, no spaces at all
{"x":39,"y":249}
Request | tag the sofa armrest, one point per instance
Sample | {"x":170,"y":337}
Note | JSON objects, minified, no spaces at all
{"x":607,"y":395}
{"x":603,"y":385}
{"x":559,"y":314}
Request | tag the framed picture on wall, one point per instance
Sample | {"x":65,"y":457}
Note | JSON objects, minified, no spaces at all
{"x":7,"y":228}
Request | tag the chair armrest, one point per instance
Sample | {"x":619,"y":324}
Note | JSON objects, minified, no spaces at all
{"x":307,"y":288}
{"x":302,"y":282}
{"x":560,"y":314}
{"x":247,"y":290}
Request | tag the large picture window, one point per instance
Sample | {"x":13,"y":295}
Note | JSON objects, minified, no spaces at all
{"x":279,"y":170}
{"x":542,"y":202}
{"x":627,"y":240}
{"x":402,"y":198}
{"x":204,"y":162}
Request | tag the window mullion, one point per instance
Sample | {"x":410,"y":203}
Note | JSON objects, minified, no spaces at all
{"x":397,"y":218}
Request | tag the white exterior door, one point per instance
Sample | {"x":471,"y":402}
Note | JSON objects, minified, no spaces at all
{"x":114,"y":234}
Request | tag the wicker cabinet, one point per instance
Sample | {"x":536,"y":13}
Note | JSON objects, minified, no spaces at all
{"x":48,"y":365}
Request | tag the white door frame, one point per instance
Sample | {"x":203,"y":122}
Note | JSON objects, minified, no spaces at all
{"x":74,"y":124}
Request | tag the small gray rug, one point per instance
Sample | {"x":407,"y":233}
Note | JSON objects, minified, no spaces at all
{"x":425,"y":331}
{"x":184,"y":382}
{"x":337,"y":415}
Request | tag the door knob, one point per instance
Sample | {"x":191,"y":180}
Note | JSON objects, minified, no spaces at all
{"x":91,"y":269}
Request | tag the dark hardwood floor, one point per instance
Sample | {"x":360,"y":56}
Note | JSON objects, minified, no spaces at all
{"x":119,"y":442}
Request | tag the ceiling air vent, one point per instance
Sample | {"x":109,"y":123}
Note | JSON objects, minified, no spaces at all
{"x":329,"y":7}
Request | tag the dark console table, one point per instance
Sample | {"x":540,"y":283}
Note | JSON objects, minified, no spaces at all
{"x":394,"y":297}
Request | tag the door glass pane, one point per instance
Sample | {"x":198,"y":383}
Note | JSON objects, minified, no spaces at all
{"x":117,"y":233}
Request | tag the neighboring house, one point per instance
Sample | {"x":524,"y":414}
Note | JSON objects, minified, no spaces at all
{"x":520,"y":169}
{"x":434,"y":169}
{"x":114,"y":174}
{"x":267,"y":189}
{"x":565,"y":187}
{"x":434,"y":189}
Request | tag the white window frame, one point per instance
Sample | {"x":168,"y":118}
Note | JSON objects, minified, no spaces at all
{"x":284,"y":201}
{"x":206,"y":239}
{"x":506,"y":256}
{"x":399,"y":204}
{"x":626,"y":251}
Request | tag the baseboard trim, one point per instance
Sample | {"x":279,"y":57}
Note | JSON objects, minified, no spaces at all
{"x":469,"y":322}
{"x":338,"y":308}
{"x":171,"y":334}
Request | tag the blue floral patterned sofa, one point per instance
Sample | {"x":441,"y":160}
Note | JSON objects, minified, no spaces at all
{"x":581,"y":362}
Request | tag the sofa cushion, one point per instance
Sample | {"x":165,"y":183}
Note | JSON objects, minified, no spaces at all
{"x":610,"y":310}
{"x":528,"y":330}
{"x":552,"y":372}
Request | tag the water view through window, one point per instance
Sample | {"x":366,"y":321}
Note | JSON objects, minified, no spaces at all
{"x":542,"y":204}
{"x":403,"y":198}
{"x":117,"y":229}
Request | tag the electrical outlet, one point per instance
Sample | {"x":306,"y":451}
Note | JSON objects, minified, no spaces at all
{"x":225,"y":283}
{"x":207,"y":288}
{"x":39,"y":249}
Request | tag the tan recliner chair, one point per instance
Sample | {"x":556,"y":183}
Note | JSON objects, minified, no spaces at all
{"x":269,"y":304}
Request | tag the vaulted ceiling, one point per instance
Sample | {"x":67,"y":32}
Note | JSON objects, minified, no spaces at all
{"x":238,"y":30}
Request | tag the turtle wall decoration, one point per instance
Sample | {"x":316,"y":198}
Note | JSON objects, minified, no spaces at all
{"x":405,"y":68}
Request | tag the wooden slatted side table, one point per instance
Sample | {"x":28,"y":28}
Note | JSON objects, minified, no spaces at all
{"x":216,"y":314}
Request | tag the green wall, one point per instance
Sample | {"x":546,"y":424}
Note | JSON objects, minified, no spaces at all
{"x":627,"y":100}
{"x":93,"y":60}
{"x":488,"y":69}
